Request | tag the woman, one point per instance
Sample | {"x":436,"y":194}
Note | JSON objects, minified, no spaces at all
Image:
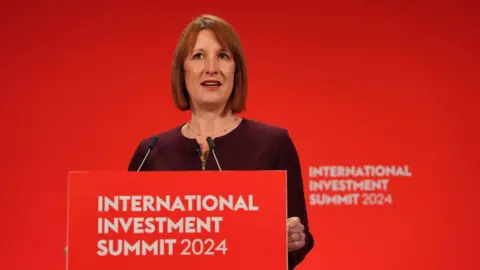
{"x":209,"y":78}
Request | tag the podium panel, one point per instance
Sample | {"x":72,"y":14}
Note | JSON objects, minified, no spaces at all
{"x":177,"y":220}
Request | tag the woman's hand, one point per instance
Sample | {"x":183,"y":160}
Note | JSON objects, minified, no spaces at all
{"x":296,"y":236}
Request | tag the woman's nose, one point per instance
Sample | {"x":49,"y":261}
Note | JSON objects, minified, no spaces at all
{"x":211,"y":66}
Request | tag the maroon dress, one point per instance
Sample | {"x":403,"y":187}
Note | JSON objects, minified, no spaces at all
{"x":251,"y":146}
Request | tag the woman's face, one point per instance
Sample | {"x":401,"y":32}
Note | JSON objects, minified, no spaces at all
{"x":209,"y":72}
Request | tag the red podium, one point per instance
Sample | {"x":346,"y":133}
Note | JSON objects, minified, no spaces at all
{"x":177,"y":220}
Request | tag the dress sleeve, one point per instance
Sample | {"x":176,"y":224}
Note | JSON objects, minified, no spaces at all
{"x":289,"y":161}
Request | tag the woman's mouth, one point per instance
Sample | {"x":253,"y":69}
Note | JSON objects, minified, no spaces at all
{"x":211,"y":84}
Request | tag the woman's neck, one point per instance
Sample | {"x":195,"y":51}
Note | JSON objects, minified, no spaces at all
{"x":211,"y":124}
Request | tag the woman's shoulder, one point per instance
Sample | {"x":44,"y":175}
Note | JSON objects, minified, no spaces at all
{"x":275,"y":138}
{"x":266,"y":130}
{"x":161,"y":139}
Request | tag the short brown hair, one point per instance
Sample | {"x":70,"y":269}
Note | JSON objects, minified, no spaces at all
{"x":226,"y":35}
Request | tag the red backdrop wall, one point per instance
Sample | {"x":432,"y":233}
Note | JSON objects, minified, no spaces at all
{"x":355,"y":83}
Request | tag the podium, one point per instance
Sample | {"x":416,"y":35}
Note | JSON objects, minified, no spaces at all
{"x":177,"y":220}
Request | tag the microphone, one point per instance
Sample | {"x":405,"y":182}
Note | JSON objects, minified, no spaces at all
{"x":150,"y":147}
{"x":211,"y":145}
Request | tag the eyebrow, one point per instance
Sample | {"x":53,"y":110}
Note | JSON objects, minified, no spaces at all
{"x":202,"y":50}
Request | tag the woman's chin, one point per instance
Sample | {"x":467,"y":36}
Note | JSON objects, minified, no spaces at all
{"x":211,"y":104}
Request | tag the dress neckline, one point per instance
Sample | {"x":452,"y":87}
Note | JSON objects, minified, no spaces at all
{"x":192,"y":142}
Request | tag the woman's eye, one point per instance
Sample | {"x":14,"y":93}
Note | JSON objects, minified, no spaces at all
{"x":198,"y":56}
{"x":224,"y":56}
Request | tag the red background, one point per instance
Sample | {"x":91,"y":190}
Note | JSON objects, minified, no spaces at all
{"x":354,"y":82}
